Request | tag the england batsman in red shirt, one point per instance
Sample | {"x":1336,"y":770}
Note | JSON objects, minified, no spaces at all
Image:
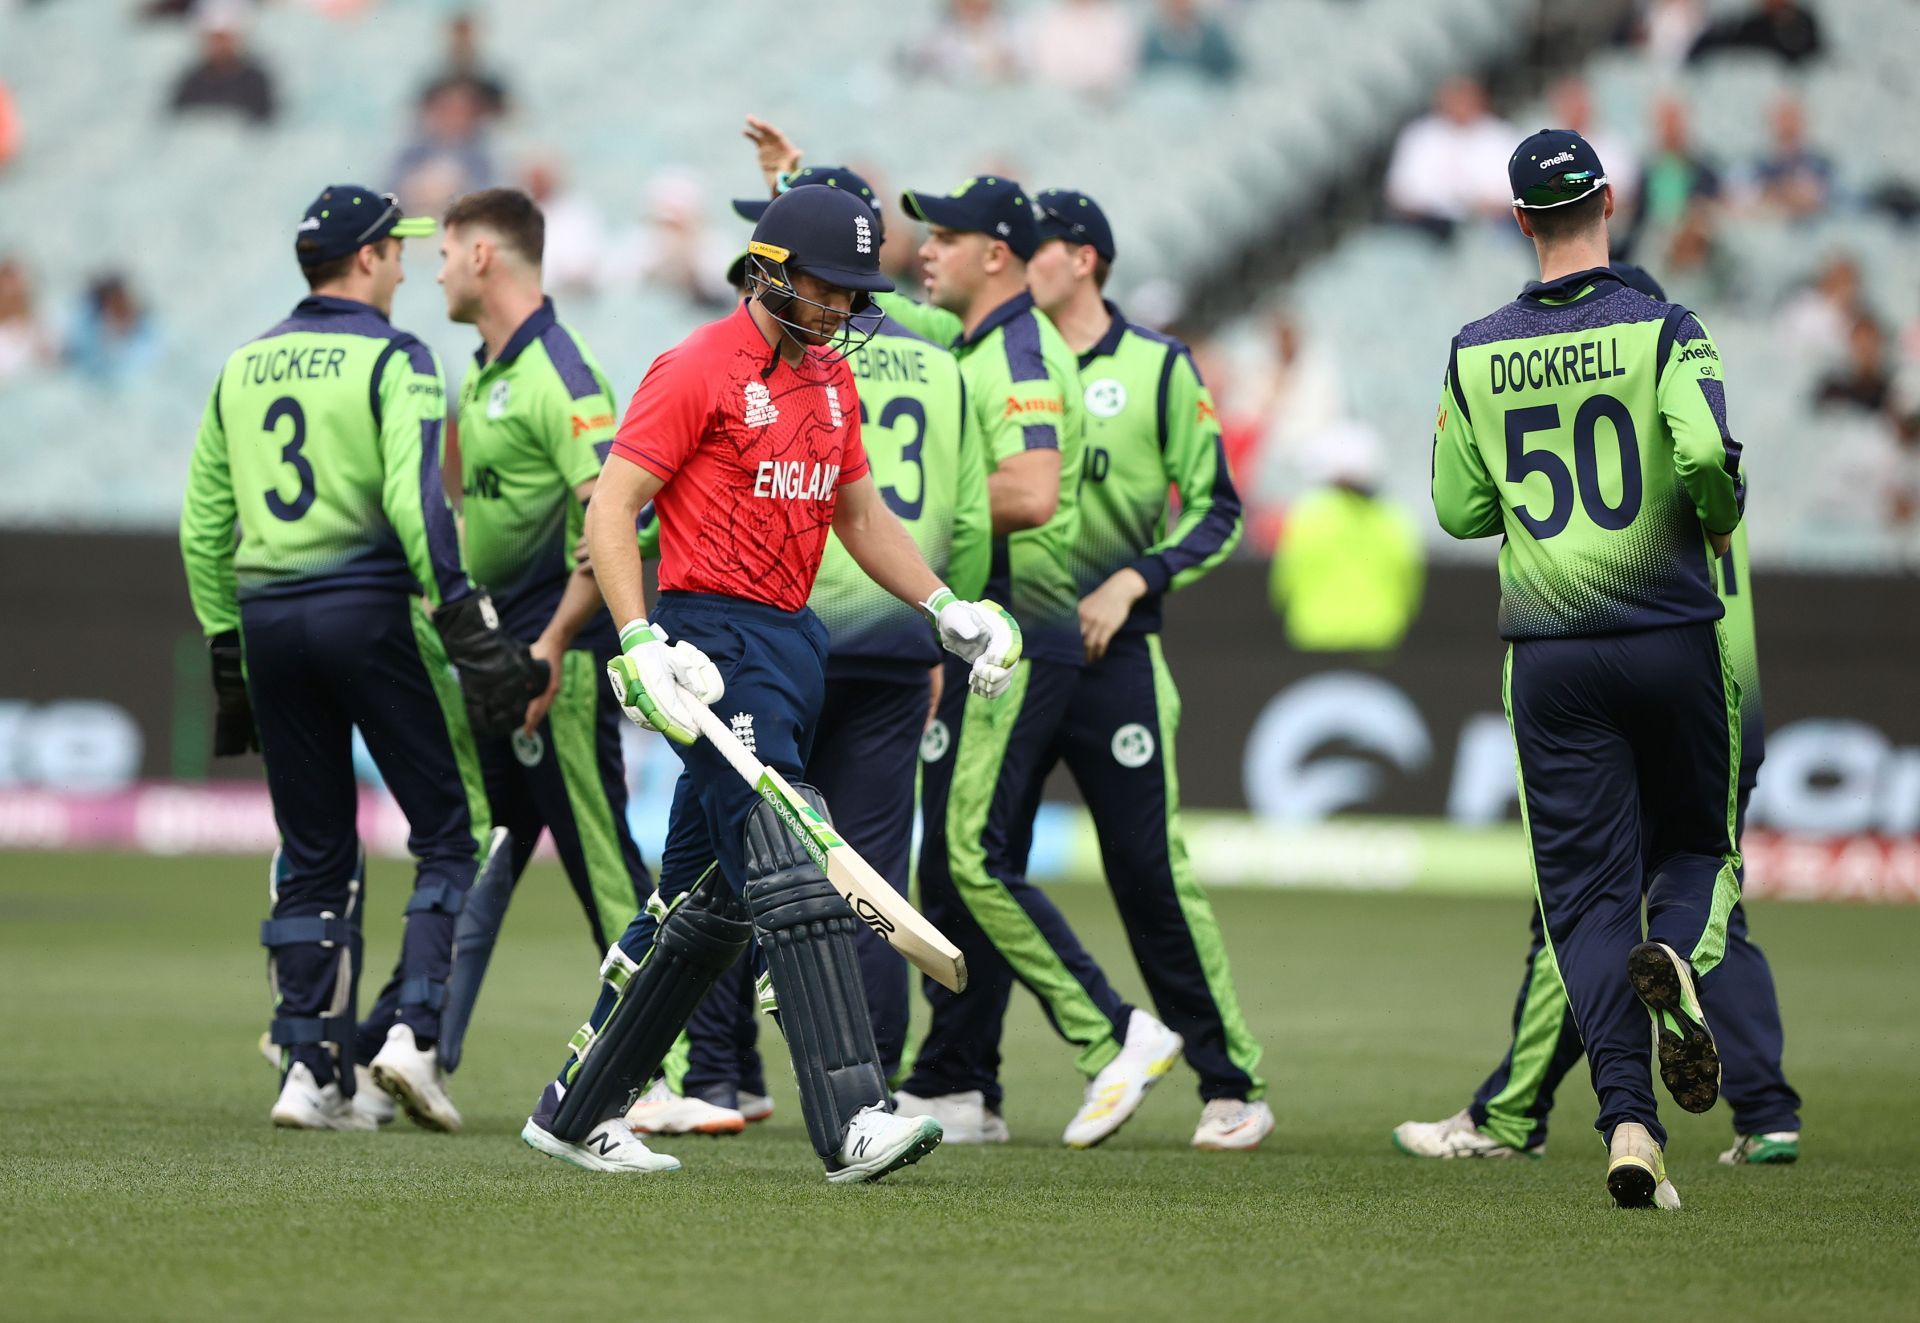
{"x":746,"y":438}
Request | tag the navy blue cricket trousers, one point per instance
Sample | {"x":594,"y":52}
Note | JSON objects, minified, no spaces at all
{"x":319,"y":664}
{"x":1629,"y":749}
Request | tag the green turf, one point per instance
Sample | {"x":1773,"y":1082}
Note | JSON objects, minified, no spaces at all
{"x":139,"y":1177}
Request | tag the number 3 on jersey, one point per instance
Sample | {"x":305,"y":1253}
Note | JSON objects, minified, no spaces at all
{"x":904,"y":406}
{"x":1522,"y":462}
{"x":289,"y":408}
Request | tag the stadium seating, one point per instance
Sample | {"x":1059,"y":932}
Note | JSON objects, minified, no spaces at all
{"x":200,"y":212}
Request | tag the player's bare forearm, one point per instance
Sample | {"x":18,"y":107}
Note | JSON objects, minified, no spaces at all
{"x":622,"y":492}
{"x":1024,"y":491}
{"x":579,"y":603}
{"x":880,"y":544}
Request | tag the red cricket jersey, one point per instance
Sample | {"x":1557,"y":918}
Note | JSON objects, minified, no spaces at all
{"x":753,"y":461}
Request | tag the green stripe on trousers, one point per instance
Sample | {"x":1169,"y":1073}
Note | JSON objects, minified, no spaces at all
{"x":573,"y":722}
{"x":1242,"y":1049}
{"x":1534,"y":1044}
{"x":986,"y":729}
{"x":453,"y":708}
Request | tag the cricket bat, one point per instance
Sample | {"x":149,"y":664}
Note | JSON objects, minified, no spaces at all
{"x":874,"y":902}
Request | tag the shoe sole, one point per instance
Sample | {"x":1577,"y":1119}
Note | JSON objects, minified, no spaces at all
{"x":1496,"y":1155}
{"x":1156,"y":1071}
{"x":711,"y":1129}
{"x":1689,"y":1061}
{"x":560,"y":1151}
{"x":400,"y":1089}
{"x":1631,"y":1184}
{"x":1214,"y":1146}
{"x":924,"y":1143}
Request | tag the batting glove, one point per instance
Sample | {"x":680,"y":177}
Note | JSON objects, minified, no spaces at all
{"x":647,"y":679}
{"x":979,"y":632}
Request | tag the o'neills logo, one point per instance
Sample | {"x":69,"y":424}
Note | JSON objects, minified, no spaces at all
{"x":1552,"y":161}
{"x":1017,"y":407}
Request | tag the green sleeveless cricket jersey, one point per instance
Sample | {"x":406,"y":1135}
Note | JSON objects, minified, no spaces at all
{"x":321,"y":441}
{"x":535,"y":423}
{"x":930,"y":468}
{"x":1023,"y":390}
{"x":1588,"y":422}
{"x":1151,"y":429}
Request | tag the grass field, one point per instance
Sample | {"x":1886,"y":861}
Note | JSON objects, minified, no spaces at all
{"x":139,"y":1177}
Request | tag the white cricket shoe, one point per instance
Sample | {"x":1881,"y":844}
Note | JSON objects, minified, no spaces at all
{"x":1455,"y":1137}
{"x":878,"y":1142}
{"x":412,"y":1077}
{"x":1778,"y":1146}
{"x":305,"y":1105}
{"x":661,"y":1111}
{"x":1229,"y":1124}
{"x":755,"y":1107}
{"x":1116,"y":1093}
{"x":367,"y":1098}
{"x":609,"y":1146}
{"x":963,"y":1117}
{"x":1637,"y":1170}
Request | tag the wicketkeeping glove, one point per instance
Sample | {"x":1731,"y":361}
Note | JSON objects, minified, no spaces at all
{"x":233,"y":730}
{"x":979,"y":632}
{"x":499,"y":675}
{"x":648,"y":676}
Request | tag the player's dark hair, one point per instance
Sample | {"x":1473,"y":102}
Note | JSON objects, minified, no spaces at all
{"x":325,"y":273}
{"x":1102,"y":268}
{"x":509,"y":213}
{"x":1554,"y":224}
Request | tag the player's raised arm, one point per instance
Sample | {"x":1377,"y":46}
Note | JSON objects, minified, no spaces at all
{"x":1464,"y":496}
{"x":1693,"y":400}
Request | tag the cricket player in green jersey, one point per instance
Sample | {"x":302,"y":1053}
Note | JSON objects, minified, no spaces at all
{"x":536,"y":418}
{"x":1508,"y":1114}
{"x":314,"y":528}
{"x":882,"y":666}
{"x":985,"y":764}
{"x":1587,"y":423}
{"x":1151,"y":432}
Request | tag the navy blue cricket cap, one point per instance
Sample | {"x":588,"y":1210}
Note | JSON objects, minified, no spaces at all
{"x":985,"y":204}
{"x":1075,"y":217}
{"x":347,"y":216}
{"x":826,"y":232}
{"x":832,"y":176}
{"x":1553,"y":168}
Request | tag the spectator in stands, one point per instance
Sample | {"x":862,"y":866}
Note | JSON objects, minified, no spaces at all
{"x":114,"y":340}
{"x":1086,"y":46}
{"x":972,"y":44}
{"x":1451,"y":165}
{"x":1675,"y":174}
{"x":448,"y":154}
{"x":225,"y":78}
{"x":1778,"y":27}
{"x":674,"y":250}
{"x":1700,"y":272}
{"x":464,"y":69}
{"x":1288,"y":402}
{"x":576,"y":238}
{"x":1669,"y":28}
{"x":1350,"y":569}
{"x":1864,"y":382}
{"x":9,"y":127}
{"x":1794,"y":180}
{"x":24,"y":342}
{"x":1816,"y":320}
{"x":1182,"y":37}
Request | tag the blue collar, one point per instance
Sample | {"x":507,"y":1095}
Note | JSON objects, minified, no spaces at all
{"x":1110,"y":342}
{"x":1568,"y":285}
{"x":329,"y":305}
{"x":530,"y":330}
{"x":1000,"y":316}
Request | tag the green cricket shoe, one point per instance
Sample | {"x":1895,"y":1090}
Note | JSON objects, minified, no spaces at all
{"x":1777,"y":1148}
{"x":1689,"y":1062}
